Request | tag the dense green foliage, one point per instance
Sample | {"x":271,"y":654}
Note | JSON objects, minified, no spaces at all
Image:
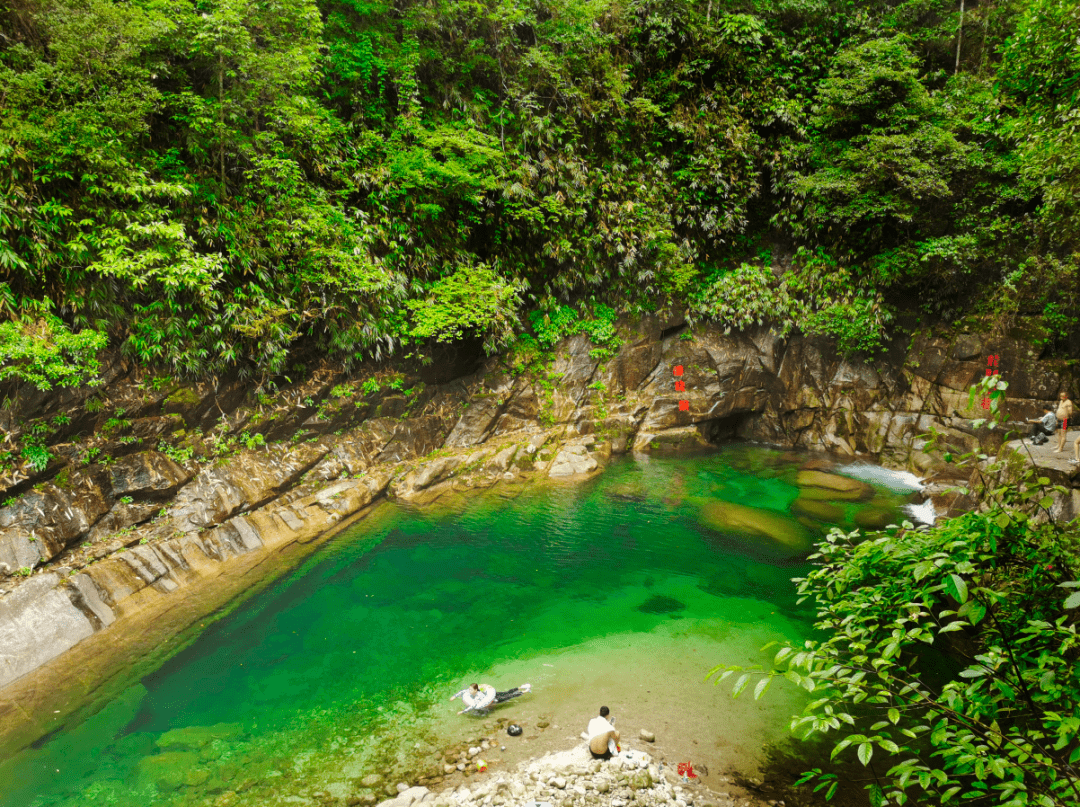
{"x":1005,"y":727}
{"x":952,"y":650}
{"x":210,"y":183}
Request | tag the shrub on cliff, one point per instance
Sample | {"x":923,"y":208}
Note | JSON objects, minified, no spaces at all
{"x":816,"y":295}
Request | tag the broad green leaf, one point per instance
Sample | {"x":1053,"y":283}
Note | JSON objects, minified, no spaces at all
{"x":866,"y":750}
{"x":956,"y":588}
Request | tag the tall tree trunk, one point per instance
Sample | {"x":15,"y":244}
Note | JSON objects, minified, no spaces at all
{"x":959,"y":38}
{"x":985,"y":7}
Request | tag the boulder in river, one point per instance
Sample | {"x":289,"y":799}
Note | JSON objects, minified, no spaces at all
{"x":876,"y":518}
{"x":729,"y":517}
{"x":167,"y":771}
{"x":195,"y":737}
{"x":818,"y":509}
{"x":821,"y":485}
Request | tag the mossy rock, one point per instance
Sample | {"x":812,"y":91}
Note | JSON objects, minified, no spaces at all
{"x":168,"y":771}
{"x":63,"y":479}
{"x":640,"y":781}
{"x":872,"y":518}
{"x":818,"y":509}
{"x":728,"y":517}
{"x":195,"y":737}
{"x":183,"y":398}
{"x":820,"y":485}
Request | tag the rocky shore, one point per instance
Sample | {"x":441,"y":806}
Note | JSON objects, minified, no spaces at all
{"x":572,"y":778}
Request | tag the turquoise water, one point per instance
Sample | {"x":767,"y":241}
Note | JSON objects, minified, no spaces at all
{"x":343,"y":665}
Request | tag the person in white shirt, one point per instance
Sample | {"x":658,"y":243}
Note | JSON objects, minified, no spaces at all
{"x":603,"y":739}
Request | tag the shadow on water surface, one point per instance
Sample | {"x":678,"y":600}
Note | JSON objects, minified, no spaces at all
{"x":660,"y":604}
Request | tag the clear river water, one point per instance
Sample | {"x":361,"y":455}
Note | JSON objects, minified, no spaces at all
{"x":623,"y":590}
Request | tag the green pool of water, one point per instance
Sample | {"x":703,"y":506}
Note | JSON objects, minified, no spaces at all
{"x":343,"y":666}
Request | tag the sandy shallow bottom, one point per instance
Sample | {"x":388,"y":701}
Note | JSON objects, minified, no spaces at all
{"x":653,"y":681}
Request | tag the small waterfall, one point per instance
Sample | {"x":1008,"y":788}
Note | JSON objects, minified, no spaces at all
{"x":922,"y":513}
{"x":897,"y":481}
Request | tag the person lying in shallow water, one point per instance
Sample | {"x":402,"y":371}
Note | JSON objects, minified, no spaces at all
{"x":480,"y":696}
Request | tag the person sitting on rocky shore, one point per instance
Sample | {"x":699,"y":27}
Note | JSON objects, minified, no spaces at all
{"x":1044,"y":427}
{"x":603,"y":739}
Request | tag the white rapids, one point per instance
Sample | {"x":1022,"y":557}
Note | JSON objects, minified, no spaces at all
{"x":897,"y":481}
{"x":923,"y":513}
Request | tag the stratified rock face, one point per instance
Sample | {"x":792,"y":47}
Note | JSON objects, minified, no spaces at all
{"x":41,"y":523}
{"x":249,"y":480}
{"x":37,"y":623}
{"x":147,"y":474}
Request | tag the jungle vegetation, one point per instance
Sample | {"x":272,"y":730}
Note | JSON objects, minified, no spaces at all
{"x":218,"y":186}
{"x":209,"y":184}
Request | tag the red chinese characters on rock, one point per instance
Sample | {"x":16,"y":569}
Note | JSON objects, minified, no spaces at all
{"x":687,"y":769}
{"x":680,"y":386}
{"x":991,"y":369}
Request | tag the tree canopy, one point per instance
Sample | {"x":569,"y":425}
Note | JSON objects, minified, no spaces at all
{"x":208,"y":185}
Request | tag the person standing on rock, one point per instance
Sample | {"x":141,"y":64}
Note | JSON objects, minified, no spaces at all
{"x":1064,"y":415}
{"x":603,"y":739}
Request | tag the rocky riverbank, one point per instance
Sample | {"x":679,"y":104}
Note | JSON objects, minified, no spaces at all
{"x":572,"y":778}
{"x":152,"y":488}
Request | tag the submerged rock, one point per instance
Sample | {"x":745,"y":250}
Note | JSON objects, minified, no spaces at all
{"x":167,"y":771}
{"x":628,"y":490}
{"x":195,"y":737}
{"x":728,"y":517}
{"x":661,"y":605}
{"x":818,"y":509}
{"x":873,"y":517}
